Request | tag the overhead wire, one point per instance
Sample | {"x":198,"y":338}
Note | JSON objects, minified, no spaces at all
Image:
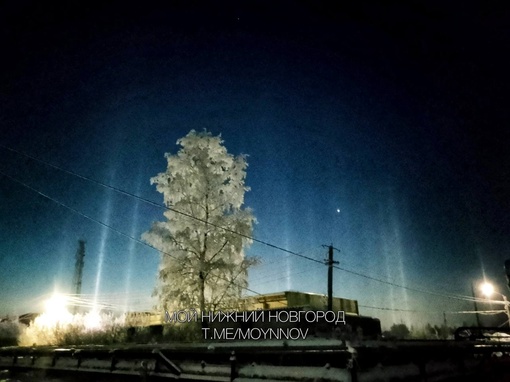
{"x":108,"y":226}
{"x":269,"y":279}
{"x":159,"y":205}
{"x":392,"y":309}
{"x":277,"y":271}
{"x":486,"y":312}
{"x":452,"y":296}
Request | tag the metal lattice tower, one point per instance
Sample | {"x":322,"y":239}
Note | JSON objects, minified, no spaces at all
{"x":78,"y":268}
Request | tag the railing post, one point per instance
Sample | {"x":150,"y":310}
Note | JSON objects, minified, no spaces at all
{"x":233,"y":362}
{"x":352,"y":366}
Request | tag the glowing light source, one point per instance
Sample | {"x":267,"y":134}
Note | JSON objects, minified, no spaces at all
{"x":487,"y":289}
{"x":55,"y":311}
{"x":56,"y":304}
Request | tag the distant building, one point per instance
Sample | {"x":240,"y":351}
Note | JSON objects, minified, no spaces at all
{"x":291,"y":299}
{"x":355,"y":325}
{"x":270,"y":301}
{"x":28,"y":318}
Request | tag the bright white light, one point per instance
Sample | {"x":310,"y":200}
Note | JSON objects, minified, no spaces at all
{"x":487,"y":289}
{"x":92,"y":320}
{"x":55,"y":311}
{"x":338,"y":210}
{"x":56,"y":304}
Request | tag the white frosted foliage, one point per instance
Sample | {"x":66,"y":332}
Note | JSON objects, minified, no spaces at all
{"x":203,"y":265}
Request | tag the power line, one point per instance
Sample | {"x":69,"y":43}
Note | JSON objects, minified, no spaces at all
{"x":264,"y":280}
{"x":161,"y":205}
{"x":487,"y":312}
{"x":463,"y":298}
{"x":393,"y":309}
{"x":126,"y":193}
{"x":267,"y":274}
{"x":83,"y":177}
{"x":108,"y":226}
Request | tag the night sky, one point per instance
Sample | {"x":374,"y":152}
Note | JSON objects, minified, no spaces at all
{"x":382,"y":130}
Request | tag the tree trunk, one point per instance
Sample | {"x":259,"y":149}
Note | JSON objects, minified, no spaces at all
{"x":202,"y":276}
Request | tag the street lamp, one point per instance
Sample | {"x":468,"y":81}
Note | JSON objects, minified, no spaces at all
{"x":488,"y":290}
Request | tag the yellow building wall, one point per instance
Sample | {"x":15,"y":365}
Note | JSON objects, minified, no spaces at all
{"x":299,"y":299}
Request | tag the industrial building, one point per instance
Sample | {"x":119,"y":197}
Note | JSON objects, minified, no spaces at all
{"x":292,"y":299}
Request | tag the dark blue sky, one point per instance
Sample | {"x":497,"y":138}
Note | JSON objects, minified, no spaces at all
{"x":395,"y":115}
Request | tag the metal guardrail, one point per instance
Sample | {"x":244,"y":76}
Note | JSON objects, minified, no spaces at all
{"x":475,"y":333}
{"x":206,"y":363}
{"x":226,"y":362}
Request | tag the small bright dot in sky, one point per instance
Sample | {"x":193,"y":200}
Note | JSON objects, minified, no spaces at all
{"x":338,"y":210}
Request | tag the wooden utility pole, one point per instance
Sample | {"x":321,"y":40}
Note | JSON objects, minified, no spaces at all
{"x":476,"y":305}
{"x":330,"y":263}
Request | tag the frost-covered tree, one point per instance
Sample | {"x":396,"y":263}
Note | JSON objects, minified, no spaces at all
{"x":202,"y":264}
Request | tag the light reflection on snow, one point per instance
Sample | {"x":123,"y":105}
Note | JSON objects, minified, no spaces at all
{"x":92,"y":320}
{"x":50,"y":327}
